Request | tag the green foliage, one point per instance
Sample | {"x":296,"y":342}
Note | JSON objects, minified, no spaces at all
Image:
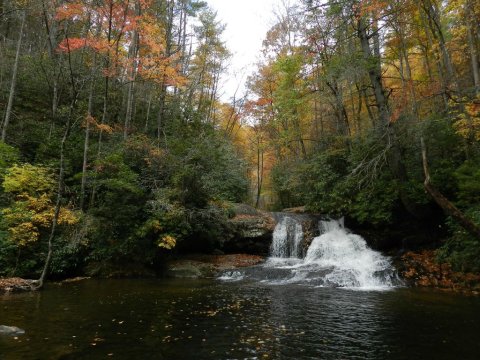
{"x":330,"y":183}
{"x":146,"y":194}
{"x":461,"y":250}
{"x":206,"y":168}
{"x":117,"y":211}
{"x":28,"y":217}
{"x":202,"y":173}
{"x":468,"y":178}
{"x":285,"y":183}
{"x":28,"y":179}
{"x":375,"y":203}
{"x":8,"y":156}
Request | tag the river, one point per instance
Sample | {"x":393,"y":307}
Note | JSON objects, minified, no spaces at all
{"x":211,"y":319}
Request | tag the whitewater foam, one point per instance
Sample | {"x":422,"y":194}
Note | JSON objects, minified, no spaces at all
{"x":335,"y":258}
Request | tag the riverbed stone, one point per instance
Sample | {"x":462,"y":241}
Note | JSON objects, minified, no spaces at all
{"x":11,"y":330}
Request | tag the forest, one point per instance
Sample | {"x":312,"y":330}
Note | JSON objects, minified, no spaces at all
{"x":117,"y":146}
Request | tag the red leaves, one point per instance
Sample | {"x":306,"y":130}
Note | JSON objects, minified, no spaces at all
{"x":68,"y":45}
{"x":113,"y":26}
{"x":263,"y":102}
{"x":73,"y":44}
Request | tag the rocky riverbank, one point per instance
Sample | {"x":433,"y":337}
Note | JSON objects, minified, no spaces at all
{"x":421,"y":270}
{"x":9,"y":285}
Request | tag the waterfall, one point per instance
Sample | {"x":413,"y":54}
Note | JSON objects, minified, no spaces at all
{"x":287,"y":239}
{"x":335,"y":258}
{"x":350,"y":262}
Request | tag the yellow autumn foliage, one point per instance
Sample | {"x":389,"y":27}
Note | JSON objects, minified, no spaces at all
{"x":167,"y":242}
{"x":28,"y":179}
{"x":29,"y":216}
{"x":467,"y":123}
{"x":32,"y":210}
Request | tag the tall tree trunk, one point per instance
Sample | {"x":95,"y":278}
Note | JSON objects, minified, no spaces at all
{"x":395,"y":158}
{"x":58,"y":202}
{"x":433,"y":20}
{"x":163,"y":86}
{"x":11,"y":97}
{"x":107,"y":81}
{"x":149,"y":106}
{"x":87,"y":133}
{"x":374,"y":74}
{"x":473,"y":52}
{"x":61,"y":174}
{"x":132,"y":77}
{"x":259,"y":173}
{"x":438,"y":65}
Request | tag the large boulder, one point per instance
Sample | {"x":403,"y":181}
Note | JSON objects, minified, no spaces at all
{"x":252,"y":231}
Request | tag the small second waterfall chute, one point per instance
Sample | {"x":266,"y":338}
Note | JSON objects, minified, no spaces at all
{"x":287,"y":239}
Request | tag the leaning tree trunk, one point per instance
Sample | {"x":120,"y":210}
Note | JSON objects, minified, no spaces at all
{"x":443,"y":202}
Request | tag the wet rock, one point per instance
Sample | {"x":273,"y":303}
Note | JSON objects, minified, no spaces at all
{"x":252,"y":231}
{"x":118,"y":270}
{"x":209,"y":266}
{"x":76,"y":279}
{"x":190,"y":269}
{"x":296,"y":210}
{"x":17,"y":285}
{"x":11,"y":330}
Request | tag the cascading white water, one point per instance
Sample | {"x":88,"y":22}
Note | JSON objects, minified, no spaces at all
{"x":350,"y":261}
{"x":335,"y":258}
{"x":287,"y":239}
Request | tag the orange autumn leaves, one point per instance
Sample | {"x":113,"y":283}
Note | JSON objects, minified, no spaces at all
{"x":109,"y":30}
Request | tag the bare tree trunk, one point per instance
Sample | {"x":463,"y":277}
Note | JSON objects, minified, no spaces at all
{"x":473,"y":56}
{"x":58,"y":202}
{"x":395,"y":157}
{"x":87,"y":133}
{"x":132,"y":77}
{"x":107,"y":81}
{"x":259,"y":173}
{"x":149,"y":106}
{"x":61,"y":176}
{"x":374,"y":74}
{"x":433,"y":19}
{"x":440,"y":72}
{"x":8,"y":112}
{"x":163,"y":86}
{"x":449,"y":208}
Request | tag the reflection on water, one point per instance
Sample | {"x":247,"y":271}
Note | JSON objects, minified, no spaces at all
{"x":159,"y":319}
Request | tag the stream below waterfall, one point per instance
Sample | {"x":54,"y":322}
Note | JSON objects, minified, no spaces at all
{"x":209,"y":319}
{"x":307,"y":301}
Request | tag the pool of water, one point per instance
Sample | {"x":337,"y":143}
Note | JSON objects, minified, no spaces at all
{"x":209,"y":319}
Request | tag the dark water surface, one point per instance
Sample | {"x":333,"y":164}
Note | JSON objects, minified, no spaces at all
{"x":176,"y":319}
